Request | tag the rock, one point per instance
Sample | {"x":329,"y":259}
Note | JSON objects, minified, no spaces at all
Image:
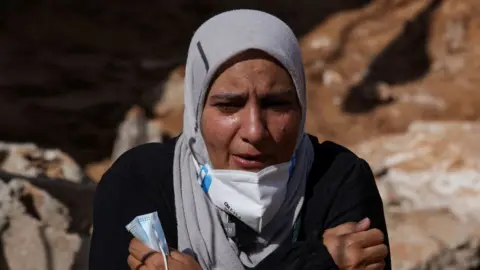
{"x":9,"y":203}
{"x":455,"y":35}
{"x":384,"y":92}
{"x":432,"y":165}
{"x":418,"y":237}
{"x":320,"y":42}
{"x":331,"y":77}
{"x":29,"y":160}
{"x":426,"y":48}
{"x":462,"y":257}
{"x":56,"y":193}
{"x":133,"y":131}
{"x":29,"y":245}
{"x":169,"y":108}
{"x":77,"y":197}
{"x":50,"y":211}
{"x":19,"y":196}
{"x":430,"y":186}
{"x":36,"y":237}
{"x":96,"y":170}
{"x":172,"y":93}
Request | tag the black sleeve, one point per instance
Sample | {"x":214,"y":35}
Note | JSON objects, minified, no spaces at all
{"x":357,"y":198}
{"x":344,"y":190}
{"x":310,"y":254}
{"x":110,"y":239}
{"x":132,"y":186}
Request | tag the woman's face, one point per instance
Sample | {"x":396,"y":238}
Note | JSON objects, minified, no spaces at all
{"x":251,"y":116}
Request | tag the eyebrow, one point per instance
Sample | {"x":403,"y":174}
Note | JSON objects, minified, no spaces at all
{"x":241,"y":96}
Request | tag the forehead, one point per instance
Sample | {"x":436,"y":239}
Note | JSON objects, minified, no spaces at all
{"x":251,"y":69}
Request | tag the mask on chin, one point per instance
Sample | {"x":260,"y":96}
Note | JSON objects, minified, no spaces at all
{"x":252,"y":197}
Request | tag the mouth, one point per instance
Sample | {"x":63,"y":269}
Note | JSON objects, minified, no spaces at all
{"x":250,"y":162}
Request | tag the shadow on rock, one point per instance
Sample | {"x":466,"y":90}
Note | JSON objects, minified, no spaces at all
{"x":405,"y":59}
{"x":82,"y":255}
{"x":77,"y":197}
{"x":3,"y":259}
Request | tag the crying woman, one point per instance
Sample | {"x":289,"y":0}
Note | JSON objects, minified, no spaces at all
{"x":244,"y":186}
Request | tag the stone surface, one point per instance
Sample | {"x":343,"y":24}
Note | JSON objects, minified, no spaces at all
{"x":168,"y":109}
{"x":465,"y":256}
{"x":9,"y":203}
{"x":432,"y":165}
{"x":419,"y":238}
{"x":50,"y":211}
{"x":30,"y":160}
{"x":33,"y":231}
{"x":34,"y":223}
{"x":136,"y":129}
{"x":29,"y":245}
{"x":96,"y":170}
{"x":430,"y":185}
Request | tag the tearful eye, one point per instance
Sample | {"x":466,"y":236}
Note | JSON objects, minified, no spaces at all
{"x":228,"y":107}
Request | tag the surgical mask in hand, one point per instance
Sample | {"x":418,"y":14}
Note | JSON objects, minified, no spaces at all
{"x":148,"y":229}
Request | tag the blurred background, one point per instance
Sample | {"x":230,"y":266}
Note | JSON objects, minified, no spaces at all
{"x":397,"y":81}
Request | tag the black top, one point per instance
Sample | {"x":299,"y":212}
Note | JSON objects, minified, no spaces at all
{"x":340,"y":188}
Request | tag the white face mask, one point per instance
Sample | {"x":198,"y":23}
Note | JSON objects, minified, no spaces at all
{"x":254,"y":198}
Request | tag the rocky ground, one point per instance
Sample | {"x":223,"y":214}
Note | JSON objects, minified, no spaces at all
{"x":395,"y":80}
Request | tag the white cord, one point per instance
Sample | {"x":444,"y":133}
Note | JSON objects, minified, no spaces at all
{"x":164,"y":258}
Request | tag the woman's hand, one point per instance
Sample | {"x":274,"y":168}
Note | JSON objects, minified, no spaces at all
{"x":143,"y":258}
{"x":352,"y":246}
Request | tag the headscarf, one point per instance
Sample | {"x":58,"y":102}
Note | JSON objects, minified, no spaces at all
{"x":200,"y":223}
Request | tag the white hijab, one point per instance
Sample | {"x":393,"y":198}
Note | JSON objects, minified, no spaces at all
{"x":200,"y":222}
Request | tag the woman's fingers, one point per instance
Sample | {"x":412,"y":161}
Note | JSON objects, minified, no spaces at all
{"x":145,"y":255}
{"x":176,"y":255}
{"x":134,"y":263}
{"x":368,"y":238}
{"x":138,"y":250}
{"x":375,"y":254}
{"x":343,"y":229}
{"x":376,"y":266}
{"x":143,"y":258}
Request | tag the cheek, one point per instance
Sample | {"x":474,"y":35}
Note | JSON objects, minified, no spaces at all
{"x":285,"y":127}
{"x":284,"y":130}
{"x":218,"y":133}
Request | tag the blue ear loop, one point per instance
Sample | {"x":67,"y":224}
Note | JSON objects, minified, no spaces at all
{"x":206,"y":181}
{"x":292,"y":166}
{"x":296,"y":226}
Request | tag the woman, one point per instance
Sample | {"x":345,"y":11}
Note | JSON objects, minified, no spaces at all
{"x":243,"y":187}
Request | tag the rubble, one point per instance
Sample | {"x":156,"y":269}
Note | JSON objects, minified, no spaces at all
{"x":430,"y":185}
{"x":29,"y":160}
{"x":44,"y":220}
{"x":29,"y":245}
{"x":134,"y":130}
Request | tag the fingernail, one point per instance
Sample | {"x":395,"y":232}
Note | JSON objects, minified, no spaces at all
{"x":362,"y":223}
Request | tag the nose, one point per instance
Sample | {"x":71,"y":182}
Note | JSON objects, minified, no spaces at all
{"x":253,"y":128}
